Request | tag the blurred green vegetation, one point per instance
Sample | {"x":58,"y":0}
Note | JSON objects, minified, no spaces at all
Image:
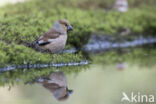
{"x":19,"y":54}
{"x":96,"y":4}
{"x":22,"y":23}
{"x":21,"y":76}
{"x":142,"y":56}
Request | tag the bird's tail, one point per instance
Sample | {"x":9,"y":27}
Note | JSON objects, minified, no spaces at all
{"x":35,"y":44}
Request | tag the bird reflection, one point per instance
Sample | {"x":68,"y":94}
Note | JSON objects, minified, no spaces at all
{"x":56,"y":83}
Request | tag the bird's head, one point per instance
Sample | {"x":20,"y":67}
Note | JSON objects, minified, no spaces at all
{"x":69,"y":91}
{"x":62,"y":94}
{"x":62,"y":26}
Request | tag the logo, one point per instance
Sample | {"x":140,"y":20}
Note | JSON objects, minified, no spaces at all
{"x":137,"y":98}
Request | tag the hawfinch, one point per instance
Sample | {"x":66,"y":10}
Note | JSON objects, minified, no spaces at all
{"x":56,"y":84}
{"x":54,"y":40}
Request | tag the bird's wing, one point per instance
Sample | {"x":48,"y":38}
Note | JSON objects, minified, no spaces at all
{"x":48,"y":37}
{"x":51,"y":86}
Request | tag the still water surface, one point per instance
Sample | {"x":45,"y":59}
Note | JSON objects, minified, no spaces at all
{"x":100,"y":84}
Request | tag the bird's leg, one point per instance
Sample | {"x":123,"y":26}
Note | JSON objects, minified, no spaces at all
{"x":61,"y":52}
{"x":49,"y":51}
{"x":36,"y":46}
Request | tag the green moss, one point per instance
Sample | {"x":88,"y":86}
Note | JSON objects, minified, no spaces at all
{"x":101,"y":4}
{"x":22,"y":23}
{"x":19,"y":54}
{"x":17,"y":76}
{"x":142,"y":56}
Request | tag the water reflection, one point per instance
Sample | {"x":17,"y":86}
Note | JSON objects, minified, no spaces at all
{"x":102,"y":43}
{"x":112,"y":72}
{"x":56,"y":83}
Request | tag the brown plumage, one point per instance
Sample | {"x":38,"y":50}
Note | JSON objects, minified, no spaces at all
{"x":55,"y":39}
{"x":57,"y":84}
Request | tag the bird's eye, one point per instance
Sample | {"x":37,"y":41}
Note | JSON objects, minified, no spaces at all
{"x":66,"y":25}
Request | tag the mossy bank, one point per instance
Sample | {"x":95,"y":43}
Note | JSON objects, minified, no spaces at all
{"x":22,"y":23}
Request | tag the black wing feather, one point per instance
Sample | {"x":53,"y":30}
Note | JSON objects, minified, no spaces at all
{"x":44,"y":43}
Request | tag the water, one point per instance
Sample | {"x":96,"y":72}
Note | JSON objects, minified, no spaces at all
{"x":103,"y":43}
{"x":103,"y":82}
{"x":100,"y":85}
{"x":38,"y":66}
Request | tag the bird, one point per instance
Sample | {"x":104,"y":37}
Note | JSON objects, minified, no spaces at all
{"x":56,"y":83}
{"x":54,"y":40}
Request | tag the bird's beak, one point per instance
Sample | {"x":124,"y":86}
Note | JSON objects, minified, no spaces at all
{"x":69,"y":92}
{"x":69,"y":28}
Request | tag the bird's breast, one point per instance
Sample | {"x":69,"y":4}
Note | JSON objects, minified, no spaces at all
{"x":57,"y":44}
